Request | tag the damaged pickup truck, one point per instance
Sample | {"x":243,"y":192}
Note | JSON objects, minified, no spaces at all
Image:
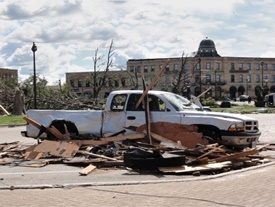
{"x":121,"y":113}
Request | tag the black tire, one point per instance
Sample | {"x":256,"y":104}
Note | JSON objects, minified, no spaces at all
{"x":212,"y":134}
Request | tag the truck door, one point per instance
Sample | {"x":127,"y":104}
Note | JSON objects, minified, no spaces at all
{"x":136,"y":117}
{"x":114,"y":119}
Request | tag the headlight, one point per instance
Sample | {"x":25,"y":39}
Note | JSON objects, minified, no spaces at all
{"x":237,"y":127}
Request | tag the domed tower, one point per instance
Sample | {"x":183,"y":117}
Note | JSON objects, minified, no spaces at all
{"x":207,"y":49}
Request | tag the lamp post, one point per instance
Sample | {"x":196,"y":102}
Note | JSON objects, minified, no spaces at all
{"x":34,"y":49}
{"x":215,"y":71}
{"x":262,"y":64}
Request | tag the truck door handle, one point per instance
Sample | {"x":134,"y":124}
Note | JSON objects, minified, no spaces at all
{"x":131,"y":117}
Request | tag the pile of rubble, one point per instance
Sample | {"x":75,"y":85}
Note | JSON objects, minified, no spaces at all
{"x":170,"y":148}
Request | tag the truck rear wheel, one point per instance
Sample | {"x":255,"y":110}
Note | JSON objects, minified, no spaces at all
{"x":59,"y":125}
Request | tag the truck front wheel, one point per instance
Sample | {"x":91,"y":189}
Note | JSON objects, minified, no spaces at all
{"x":212,"y":134}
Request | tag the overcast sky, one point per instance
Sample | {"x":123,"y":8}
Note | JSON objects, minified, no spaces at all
{"x":67,"y":32}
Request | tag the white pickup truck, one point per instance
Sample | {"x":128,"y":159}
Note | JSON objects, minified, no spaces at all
{"x":120,"y":113}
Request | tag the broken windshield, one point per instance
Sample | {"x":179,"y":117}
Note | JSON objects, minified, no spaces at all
{"x":179,"y":103}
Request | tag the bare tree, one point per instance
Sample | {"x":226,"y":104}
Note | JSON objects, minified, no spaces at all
{"x":100,"y":76}
{"x":182,"y":79}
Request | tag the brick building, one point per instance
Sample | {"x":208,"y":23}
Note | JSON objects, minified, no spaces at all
{"x":228,"y":76}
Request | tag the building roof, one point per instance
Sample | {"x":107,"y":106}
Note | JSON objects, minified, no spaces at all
{"x":207,"y":48}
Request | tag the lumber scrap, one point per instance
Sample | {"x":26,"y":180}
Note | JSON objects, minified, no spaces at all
{"x":235,"y":156}
{"x":96,"y":155}
{"x":87,"y":170}
{"x":3,"y":109}
{"x":189,"y":169}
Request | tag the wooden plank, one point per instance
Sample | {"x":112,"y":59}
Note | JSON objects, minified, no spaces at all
{"x":163,"y":139}
{"x":54,"y":131}
{"x":209,"y":152}
{"x":32,"y":122}
{"x":236,"y":155}
{"x":96,"y":155}
{"x":87,"y":170}
{"x":147,"y":112}
{"x":152,"y":83}
{"x":189,"y":169}
{"x":6,"y":112}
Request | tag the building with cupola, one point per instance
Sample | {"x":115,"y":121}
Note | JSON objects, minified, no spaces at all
{"x":208,"y":70}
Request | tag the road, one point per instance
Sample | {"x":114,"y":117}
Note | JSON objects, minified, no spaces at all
{"x":248,"y":187}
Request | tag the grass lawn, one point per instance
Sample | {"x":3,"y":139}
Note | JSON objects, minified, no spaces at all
{"x":244,"y":109}
{"x":9,"y":120}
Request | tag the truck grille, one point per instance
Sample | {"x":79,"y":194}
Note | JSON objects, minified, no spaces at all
{"x":251,"y":126}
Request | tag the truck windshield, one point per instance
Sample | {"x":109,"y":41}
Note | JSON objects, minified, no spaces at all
{"x":179,"y":103}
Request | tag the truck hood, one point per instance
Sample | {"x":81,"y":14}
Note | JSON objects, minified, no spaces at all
{"x":218,"y":115}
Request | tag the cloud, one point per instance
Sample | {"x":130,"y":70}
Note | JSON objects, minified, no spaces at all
{"x":67,"y":32}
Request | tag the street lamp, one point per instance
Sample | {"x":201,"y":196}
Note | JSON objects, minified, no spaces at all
{"x":215,"y":71}
{"x":34,"y":49}
{"x":262,"y":64}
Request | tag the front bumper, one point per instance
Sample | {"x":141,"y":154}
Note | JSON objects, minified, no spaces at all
{"x":240,"y":139}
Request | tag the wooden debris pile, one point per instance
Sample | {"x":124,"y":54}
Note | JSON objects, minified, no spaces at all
{"x":132,"y":152}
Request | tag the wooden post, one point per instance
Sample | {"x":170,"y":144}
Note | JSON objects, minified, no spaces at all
{"x":147,"y":112}
{"x":152,"y":83}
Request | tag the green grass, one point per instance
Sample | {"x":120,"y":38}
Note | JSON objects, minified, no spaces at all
{"x":245,"y":109}
{"x":10,"y":120}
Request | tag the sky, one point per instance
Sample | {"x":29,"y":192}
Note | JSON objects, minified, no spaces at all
{"x":68,"y":32}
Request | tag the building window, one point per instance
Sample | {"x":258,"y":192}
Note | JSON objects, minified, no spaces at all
{"x":218,"y":78}
{"x":257,"y":66}
{"x":72,"y":83}
{"x":272,"y":66}
{"x":265,"y":66}
{"x":240,"y":66}
{"x":208,"y":78}
{"x":138,"y":69}
{"x":185,"y":66}
{"x":167,"y":69}
{"x":198,"y":65}
{"x":160,"y":66}
{"x":88,"y":84}
{"x":153,"y":68}
{"x":197,"y":79}
{"x":273,"y":78}
{"x":132,"y":69}
{"x":232,"y":78}
{"x":217,"y":66}
{"x":208,"y":66}
{"x":79,"y":83}
{"x":240,"y":78}
{"x":145,"y":69}
{"x":116,"y":83}
{"x":232,"y":66}
{"x":257,"y":78}
{"x":248,"y":66}
{"x":248,"y":78}
{"x":123,"y":82}
{"x":176,"y":67}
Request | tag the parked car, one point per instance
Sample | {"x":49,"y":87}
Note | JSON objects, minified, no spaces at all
{"x":242,"y":98}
